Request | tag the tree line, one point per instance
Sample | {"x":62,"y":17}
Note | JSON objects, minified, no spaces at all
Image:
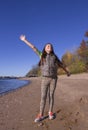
{"x":77,"y":62}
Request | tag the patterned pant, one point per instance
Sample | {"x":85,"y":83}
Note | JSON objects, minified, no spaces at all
{"x":47,"y":85}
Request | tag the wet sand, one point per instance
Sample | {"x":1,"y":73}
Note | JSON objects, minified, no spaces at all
{"x":18,"y":109}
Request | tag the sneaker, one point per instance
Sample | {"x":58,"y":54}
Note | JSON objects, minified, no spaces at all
{"x":39,"y":118}
{"x":51,"y":115}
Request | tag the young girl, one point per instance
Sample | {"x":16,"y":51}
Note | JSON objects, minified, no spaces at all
{"x":49,"y":64}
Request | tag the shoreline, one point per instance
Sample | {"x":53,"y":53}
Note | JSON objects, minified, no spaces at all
{"x":19,"y":108}
{"x":30,"y":78}
{"x":15,"y":89}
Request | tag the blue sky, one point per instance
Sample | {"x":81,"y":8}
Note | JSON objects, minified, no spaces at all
{"x":61,"y":22}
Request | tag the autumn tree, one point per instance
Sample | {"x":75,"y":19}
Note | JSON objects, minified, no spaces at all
{"x":86,"y":35}
{"x":67,"y":58}
{"x":83,"y":51}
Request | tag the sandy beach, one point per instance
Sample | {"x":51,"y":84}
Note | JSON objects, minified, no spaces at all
{"x":18,"y":109}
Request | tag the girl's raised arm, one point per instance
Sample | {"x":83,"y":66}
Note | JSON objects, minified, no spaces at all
{"x":23,"y":38}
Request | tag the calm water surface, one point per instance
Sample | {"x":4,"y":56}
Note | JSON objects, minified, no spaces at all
{"x":8,"y":85}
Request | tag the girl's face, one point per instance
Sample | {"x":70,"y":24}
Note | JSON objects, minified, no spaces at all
{"x":48,"y":48}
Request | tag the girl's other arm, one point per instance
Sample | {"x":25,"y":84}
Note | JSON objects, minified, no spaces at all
{"x":63,"y":67}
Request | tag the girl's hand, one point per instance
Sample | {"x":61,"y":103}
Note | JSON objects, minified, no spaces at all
{"x":22,"y":38}
{"x":68,"y":73}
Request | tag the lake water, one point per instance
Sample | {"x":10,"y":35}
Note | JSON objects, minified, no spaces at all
{"x":8,"y":85}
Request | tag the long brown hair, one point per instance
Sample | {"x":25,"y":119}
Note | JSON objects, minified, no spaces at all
{"x":44,"y":53}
